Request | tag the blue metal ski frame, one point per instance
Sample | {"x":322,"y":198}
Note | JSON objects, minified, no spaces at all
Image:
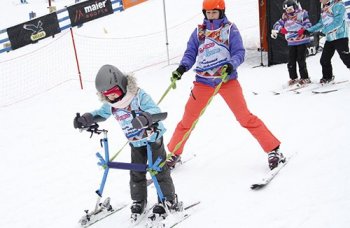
{"x":106,"y":164}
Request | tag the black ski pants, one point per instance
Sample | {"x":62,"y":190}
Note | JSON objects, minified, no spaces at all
{"x":138,"y":181}
{"x":342,"y":47}
{"x":297,"y":54}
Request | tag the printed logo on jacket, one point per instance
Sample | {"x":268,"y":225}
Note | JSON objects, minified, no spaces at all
{"x":88,"y":11}
{"x":31,"y":31}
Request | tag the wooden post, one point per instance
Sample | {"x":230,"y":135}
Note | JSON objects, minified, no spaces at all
{"x":76,"y":58}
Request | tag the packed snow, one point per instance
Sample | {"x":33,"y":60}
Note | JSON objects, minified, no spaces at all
{"x":48,"y":169}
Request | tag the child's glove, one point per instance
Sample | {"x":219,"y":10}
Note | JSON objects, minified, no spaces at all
{"x":274,"y":34}
{"x":142,"y":121}
{"x":177,"y":74}
{"x":301,"y":31}
{"x":85,"y":120}
{"x":283,"y":31}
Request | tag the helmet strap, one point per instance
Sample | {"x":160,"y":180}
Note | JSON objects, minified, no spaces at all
{"x":205,"y":15}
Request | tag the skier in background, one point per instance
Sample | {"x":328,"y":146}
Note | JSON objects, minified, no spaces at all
{"x":333,"y":24}
{"x":217,"y":45}
{"x":120,"y":96}
{"x":292,"y":24}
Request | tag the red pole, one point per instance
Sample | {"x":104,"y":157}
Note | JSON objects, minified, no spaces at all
{"x":263,"y":25}
{"x":49,"y":3}
{"x":76,"y":58}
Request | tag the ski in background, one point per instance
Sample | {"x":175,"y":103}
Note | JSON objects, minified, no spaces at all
{"x":288,"y":89}
{"x":332,"y":87}
{"x":313,"y":87}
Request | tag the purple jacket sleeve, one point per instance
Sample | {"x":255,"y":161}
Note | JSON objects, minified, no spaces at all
{"x":278,"y":25}
{"x":237,"y":50}
{"x":190,"y":55}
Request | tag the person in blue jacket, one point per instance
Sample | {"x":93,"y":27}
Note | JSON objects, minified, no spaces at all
{"x":123,"y":99}
{"x":292,"y":25}
{"x":333,"y":24}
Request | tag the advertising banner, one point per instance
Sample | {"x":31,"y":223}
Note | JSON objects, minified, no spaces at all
{"x":34,"y":30}
{"x":88,"y":11}
{"x":130,"y":3}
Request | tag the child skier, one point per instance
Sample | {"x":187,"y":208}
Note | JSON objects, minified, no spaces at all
{"x":292,"y":24}
{"x":121,"y":96}
{"x":333,"y":25}
{"x":217,"y":46}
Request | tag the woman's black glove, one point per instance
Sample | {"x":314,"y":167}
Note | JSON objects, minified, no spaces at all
{"x":229,"y":68}
{"x":177,"y":74}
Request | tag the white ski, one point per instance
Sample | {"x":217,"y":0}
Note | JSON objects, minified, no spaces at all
{"x":270,"y":175}
{"x":96,"y":216}
{"x":289,"y":89}
{"x":267,"y":179}
{"x":171,"y":220}
{"x":332,"y":87}
{"x":185,"y":216}
{"x":136,"y":219}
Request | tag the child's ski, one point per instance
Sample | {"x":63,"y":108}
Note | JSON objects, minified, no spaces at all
{"x":95,"y":216}
{"x":185,"y":216}
{"x":171,"y":220}
{"x":136,"y":219}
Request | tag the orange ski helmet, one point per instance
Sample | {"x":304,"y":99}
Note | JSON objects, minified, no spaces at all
{"x":214,"y":5}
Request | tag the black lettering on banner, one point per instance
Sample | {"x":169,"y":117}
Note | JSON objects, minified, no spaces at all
{"x":31,"y":31}
{"x":88,"y":11}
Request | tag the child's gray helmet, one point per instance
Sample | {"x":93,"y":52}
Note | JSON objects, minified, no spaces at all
{"x":108,"y":77}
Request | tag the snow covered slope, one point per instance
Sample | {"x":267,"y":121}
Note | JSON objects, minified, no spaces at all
{"x":48,"y":171}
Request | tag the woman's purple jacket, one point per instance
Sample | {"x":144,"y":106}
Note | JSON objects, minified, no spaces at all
{"x":235,"y":48}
